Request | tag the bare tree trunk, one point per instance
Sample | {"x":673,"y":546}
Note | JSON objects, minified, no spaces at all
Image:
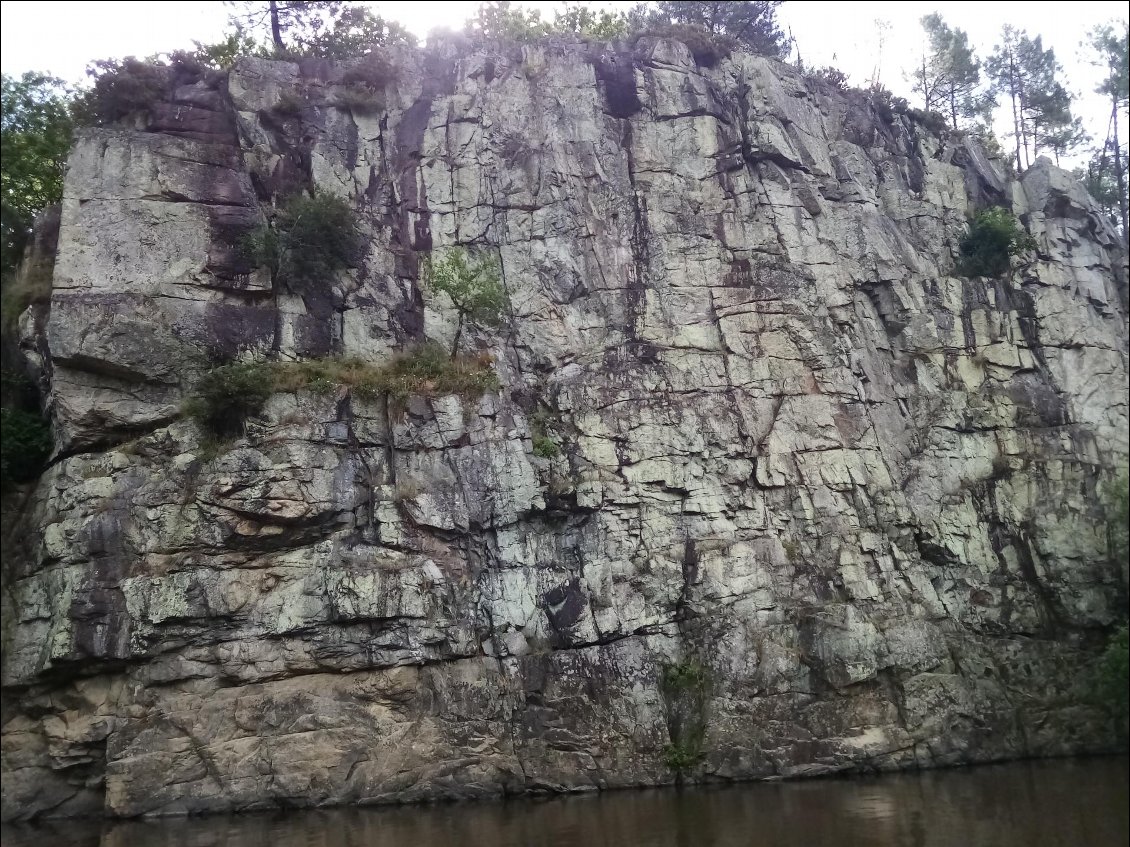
{"x":458,"y":335}
{"x":1120,"y":177}
{"x":276,"y":29}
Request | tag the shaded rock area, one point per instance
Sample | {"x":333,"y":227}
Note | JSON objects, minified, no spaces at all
{"x":863,"y":493}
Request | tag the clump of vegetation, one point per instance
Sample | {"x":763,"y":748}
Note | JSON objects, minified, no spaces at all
{"x":1113,"y":677}
{"x":828,"y":77}
{"x":122,"y":88}
{"x":359,"y":99}
{"x":32,"y":284}
{"x":27,"y":444}
{"x":544,"y":444}
{"x":428,"y":370}
{"x":685,"y":688}
{"x":707,"y":48}
{"x":308,"y":240}
{"x":289,"y":105}
{"x":375,"y":71}
{"x":230,"y":394}
{"x":933,"y":121}
{"x":993,"y":237}
{"x":474,"y":286}
{"x":545,"y":447}
{"x":885,"y":103}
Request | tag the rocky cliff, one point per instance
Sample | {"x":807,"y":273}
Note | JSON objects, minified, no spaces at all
{"x":849,"y":499}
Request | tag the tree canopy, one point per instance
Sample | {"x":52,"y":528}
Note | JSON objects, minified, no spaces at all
{"x":949,"y":76}
{"x":751,"y":23}
{"x":34,"y":142}
{"x":327,"y":29}
{"x":1028,"y":76}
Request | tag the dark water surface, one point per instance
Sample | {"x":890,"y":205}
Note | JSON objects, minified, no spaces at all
{"x":1058,"y":803}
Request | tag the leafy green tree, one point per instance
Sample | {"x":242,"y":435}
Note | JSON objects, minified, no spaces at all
{"x":327,"y":29}
{"x":751,"y":23}
{"x":949,"y":76}
{"x":602,"y":24}
{"x":473,"y":285}
{"x":1111,"y":44}
{"x":503,"y":21}
{"x":35,"y":137}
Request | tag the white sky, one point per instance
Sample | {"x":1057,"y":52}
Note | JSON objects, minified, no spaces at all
{"x":62,"y":37}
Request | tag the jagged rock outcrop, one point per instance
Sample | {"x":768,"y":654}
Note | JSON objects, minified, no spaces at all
{"x":795,"y":448}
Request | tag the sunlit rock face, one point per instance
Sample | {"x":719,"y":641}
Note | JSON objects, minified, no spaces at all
{"x":795,"y":449}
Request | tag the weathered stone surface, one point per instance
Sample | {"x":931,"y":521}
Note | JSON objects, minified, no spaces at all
{"x":794,"y":448}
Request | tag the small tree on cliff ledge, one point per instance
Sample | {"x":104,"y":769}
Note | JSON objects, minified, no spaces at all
{"x":309,"y":238}
{"x":474,"y":286}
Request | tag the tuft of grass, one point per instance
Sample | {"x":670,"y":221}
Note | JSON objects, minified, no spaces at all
{"x":545,"y":447}
{"x":359,"y":99}
{"x":230,"y":394}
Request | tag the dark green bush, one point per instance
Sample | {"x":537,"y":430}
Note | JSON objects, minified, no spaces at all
{"x":310,"y":238}
{"x":1113,"y":676}
{"x":25,"y":445}
{"x":685,"y":688}
{"x":228,"y":395}
{"x":122,"y":87}
{"x":992,"y":238}
{"x":885,"y":103}
{"x":933,"y":121}
{"x":359,"y":99}
{"x":828,"y":77}
{"x":375,"y":71}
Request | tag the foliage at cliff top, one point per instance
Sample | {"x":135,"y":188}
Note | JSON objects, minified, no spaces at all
{"x":35,"y":137}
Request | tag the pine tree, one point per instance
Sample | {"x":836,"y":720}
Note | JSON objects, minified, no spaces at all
{"x":950,"y":74}
{"x":1110,"y":43}
{"x":1027,"y":74}
{"x":752,"y":23}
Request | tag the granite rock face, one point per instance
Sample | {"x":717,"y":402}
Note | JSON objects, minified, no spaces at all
{"x":795,"y":449}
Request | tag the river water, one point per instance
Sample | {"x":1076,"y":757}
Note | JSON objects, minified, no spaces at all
{"x":1051,"y":803}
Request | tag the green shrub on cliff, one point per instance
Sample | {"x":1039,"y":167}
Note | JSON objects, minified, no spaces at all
{"x":474,"y":286}
{"x":25,"y":445}
{"x":309,"y":238}
{"x":992,"y":238}
{"x":228,"y":395}
{"x":1113,"y":677}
